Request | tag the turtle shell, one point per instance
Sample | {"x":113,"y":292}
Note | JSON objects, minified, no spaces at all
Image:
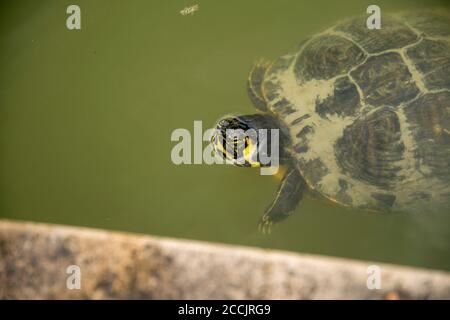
{"x":369,"y":111}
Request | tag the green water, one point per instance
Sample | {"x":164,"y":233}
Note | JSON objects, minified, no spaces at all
{"x":86,"y":118}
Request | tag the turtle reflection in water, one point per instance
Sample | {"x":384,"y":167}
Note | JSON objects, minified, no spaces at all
{"x":364,"y":116}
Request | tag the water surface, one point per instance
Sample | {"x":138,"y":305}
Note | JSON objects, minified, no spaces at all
{"x":86,"y":118}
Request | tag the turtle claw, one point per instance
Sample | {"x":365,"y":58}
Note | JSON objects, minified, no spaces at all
{"x":265,"y":224}
{"x":288,"y":196}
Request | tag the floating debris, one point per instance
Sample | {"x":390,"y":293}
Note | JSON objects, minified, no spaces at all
{"x":189,"y":10}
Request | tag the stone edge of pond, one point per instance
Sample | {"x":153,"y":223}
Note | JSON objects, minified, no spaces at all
{"x":34,"y":258}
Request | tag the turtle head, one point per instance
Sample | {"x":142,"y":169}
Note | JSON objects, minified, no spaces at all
{"x":249,"y":140}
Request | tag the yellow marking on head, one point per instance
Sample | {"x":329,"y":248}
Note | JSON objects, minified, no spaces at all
{"x":249,"y":150}
{"x":219,"y":147}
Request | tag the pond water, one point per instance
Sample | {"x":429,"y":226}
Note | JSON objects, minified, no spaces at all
{"x":86,"y":118}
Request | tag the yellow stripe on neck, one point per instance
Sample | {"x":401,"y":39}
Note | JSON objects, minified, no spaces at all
{"x":249,"y":151}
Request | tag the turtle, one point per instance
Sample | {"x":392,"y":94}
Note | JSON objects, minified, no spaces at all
{"x":363,"y":116}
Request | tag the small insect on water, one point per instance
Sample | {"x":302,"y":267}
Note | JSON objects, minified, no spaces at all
{"x":189,"y":10}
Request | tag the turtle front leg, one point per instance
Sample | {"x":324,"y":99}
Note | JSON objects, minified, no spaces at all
{"x":289,"y":194}
{"x":254,"y":85}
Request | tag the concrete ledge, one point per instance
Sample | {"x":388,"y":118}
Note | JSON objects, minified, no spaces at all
{"x":34,"y":258}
